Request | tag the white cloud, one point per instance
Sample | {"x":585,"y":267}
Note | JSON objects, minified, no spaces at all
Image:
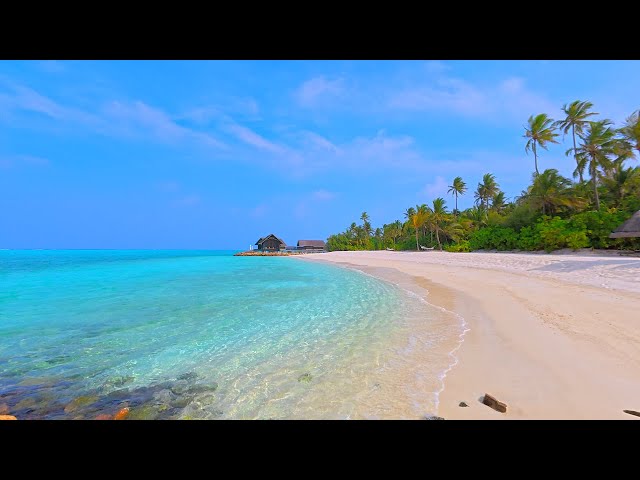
{"x":446,"y":94}
{"x":509,"y":98}
{"x":437,"y":188}
{"x":115,"y":119}
{"x":514,"y":97}
{"x":142,"y":118}
{"x":250,"y":137}
{"x":25,"y":98}
{"x":313,"y":140}
{"x":313,"y":91}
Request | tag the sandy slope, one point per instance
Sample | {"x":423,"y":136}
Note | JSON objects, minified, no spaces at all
{"x":553,"y":336}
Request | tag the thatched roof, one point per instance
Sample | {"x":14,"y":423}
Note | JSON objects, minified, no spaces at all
{"x":630,"y":228}
{"x":311,"y":243}
{"x":262,"y":239}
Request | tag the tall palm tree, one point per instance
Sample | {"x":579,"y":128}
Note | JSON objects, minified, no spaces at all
{"x":438,"y":217}
{"x":598,"y":144}
{"x":540,"y":131}
{"x":631,"y":130}
{"x":417,"y":220}
{"x":366,"y":226}
{"x":458,"y":187}
{"x":425,"y":210}
{"x":487,"y":189}
{"x":577,"y":113}
{"x":550,"y":191}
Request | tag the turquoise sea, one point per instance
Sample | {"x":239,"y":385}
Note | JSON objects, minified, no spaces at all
{"x":205,"y":335}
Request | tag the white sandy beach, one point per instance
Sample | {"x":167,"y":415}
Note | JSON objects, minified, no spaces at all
{"x":552,"y":336}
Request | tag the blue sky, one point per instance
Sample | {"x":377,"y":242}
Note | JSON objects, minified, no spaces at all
{"x":214,"y":154}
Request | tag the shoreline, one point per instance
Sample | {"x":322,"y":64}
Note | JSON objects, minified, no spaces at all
{"x":554,"y":337}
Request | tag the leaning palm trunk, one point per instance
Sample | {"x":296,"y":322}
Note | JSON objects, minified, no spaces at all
{"x":535,"y":158}
{"x":594,"y":177}
{"x":575,"y":156}
{"x":438,"y":239}
{"x":417,"y":244}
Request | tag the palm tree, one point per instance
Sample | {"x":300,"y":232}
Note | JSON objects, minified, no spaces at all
{"x":598,"y":144}
{"x":487,"y":189}
{"x":631,"y":130}
{"x":550,"y":191}
{"x":409,"y":212}
{"x":366,"y":227}
{"x":498,"y":202}
{"x":540,"y":131}
{"x":417,"y":220}
{"x":478,"y":214}
{"x":577,"y":113}
{"x":438,"y":217}
{"x":393,"y":231}
{"x":619,"y":181}
{"x":457,"y":188}
{"x":425,"y":210}
{"x":365,"y":222}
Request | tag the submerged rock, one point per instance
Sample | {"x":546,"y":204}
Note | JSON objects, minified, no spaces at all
{"x":492,"y":402}
{"x":179,"y":388}
{"x":164,"y":397}
{"x":4,"y":408}
{"x":122,"y":414}
{"x":181,"y":402}
{"x":305,"y":377}
{"x":79,"y":402}
{"x":146,"y":412}
{"x":463,"y":404}
{"x":104,"y":416}
{"x":26,"y":403}
{"x":201,"y":388}
{"x":188,"y":376}
{"x":32,"y":381}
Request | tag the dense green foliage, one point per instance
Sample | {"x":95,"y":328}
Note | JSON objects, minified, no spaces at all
{"x":553,"y":212}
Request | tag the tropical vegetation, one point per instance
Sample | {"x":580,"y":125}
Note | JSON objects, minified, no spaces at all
{"x":552,"y":212}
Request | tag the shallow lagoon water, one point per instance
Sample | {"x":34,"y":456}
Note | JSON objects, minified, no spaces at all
{"x":205,"y":335}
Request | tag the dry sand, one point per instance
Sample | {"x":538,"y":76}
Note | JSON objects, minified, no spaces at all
{"x":552,"y":336}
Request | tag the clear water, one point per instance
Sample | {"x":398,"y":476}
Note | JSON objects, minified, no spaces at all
{"x":203,"y":334}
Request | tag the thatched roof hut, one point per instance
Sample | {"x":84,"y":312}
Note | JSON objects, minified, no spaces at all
{"x":270,"y":242}
{"x":314,"y":244}
{"x":630,"y":228}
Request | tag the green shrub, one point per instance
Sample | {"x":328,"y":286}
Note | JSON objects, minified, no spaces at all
{"x":462,"y":246}
{"x":495,"y":237}
{"x":599,"y":225}
{"x":529,"y":239}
